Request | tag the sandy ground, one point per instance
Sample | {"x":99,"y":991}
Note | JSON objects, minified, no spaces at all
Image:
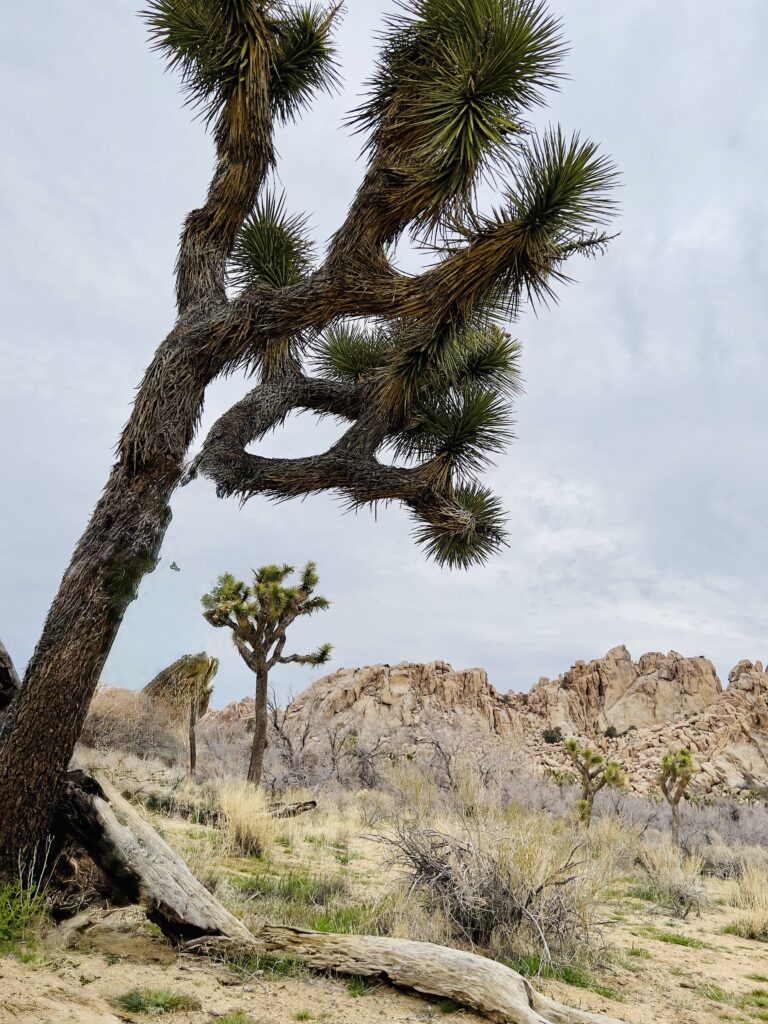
{"x":74,"y":978}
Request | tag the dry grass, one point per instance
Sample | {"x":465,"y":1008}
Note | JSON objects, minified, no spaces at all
{"x":671,"y":879}
{"x":249,"y":828}
{"x":127,"y":721}
{"x":750,"y":893}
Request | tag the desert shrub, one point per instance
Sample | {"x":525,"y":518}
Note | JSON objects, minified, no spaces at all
{"x":750,"y":893}
{"x":128,"y":721}
{"x":22,"y":912}
{"x":511,"y":884}
{"x":671,"y":879}
{"x":553,"y":735}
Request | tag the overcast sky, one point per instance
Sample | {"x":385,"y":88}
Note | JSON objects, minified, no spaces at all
{"x":636,"y":489}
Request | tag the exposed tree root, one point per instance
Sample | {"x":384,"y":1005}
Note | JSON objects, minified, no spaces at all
{"x":148,"y":871}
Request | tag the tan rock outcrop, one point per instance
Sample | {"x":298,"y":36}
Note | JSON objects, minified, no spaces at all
{"x":616,"y":692}
{"x":660,"y":702}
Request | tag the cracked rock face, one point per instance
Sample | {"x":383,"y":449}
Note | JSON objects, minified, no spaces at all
{"x":659,"y":702}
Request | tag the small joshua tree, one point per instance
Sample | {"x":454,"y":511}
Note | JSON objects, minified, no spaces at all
{"x":595,"y":773}
{"x":184,"y":689}
{"x":677,"y":768}
{"x":259,"y":616}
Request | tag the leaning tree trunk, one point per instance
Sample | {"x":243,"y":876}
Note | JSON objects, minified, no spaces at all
{"x":120,"y":545}
{"x":256,"y":764}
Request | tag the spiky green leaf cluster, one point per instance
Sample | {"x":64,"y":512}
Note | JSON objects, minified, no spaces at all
{"x":266,"y":599}
{"x":558,"y":196}
{"x":350,"y":351}
{"x":678,"y":764}
{"x":453,"y":83}
{"x":221,"y":47}
{"x":470,"y":530}
{"x":306,"y":60}
{"x":272,"y":247}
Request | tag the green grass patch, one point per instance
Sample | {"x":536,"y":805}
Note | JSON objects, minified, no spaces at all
{"x":532,"y":965}
{"x":303,"y":1015}
{"x":756,"y":977}
{"x":754,"y":929}
{"x":247,"y":965}
{"x":714,"y":993}
{"x":296,"y":887}
{"x":155,"y":1001}
{"x":356,"y":986}
{"x":667,"y":935}
{"x":639,"y":952}
{"x":22,"y":912}
{"x":448,"y":1006}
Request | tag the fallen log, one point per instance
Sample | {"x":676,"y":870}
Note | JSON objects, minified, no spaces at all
{"x":473,"y":981}
{"x":292,"y":810}
{"x":149,"y":872}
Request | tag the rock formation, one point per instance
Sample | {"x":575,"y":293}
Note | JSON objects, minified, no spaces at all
{"x":615,"y":692}
{"x":633,"y":711}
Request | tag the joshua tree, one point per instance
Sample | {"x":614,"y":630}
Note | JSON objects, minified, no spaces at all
{"x":259,"y":616}
{"x":595,"y":773}
{"x":184,"y":689}
{"x":676,"y":769}
{"x":414,"y":364}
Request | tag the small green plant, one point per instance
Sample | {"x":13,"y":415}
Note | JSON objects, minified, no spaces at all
{"x":749,"y":927}
{"x":155,"y":1001}
{"x":595,"y":773}
{"x":639,"y":952}
{"x":553,"y":735}
{"x":22,"y":911}
{"x":448,"y":1006}
{"x":714,"y":993}
{"x":756,"y":977}
{"x":303,"y":1015}
{"x":611,"y":732}
{"x":357,"y":986}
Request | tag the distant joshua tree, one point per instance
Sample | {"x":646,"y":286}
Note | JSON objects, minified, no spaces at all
{"x":676,"y":770}
{"x":595,"y":773}
{"x":259,"y":616}
{"x":184,"y":689}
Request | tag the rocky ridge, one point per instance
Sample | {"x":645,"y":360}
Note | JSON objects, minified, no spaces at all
{"x":632,"y":711}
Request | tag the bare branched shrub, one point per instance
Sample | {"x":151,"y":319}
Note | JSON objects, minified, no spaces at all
{"x":671,"y":879}
{"x":128,"y":721}
{"x":507,"y":881}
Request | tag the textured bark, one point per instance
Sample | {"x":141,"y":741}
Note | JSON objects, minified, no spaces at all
{"x":120,"y":544}
{"x":139,"y":862}
{"x":256,"y":764}
{"x":10,"y":684}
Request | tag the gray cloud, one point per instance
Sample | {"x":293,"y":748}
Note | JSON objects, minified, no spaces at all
{"x":636,"y":488}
